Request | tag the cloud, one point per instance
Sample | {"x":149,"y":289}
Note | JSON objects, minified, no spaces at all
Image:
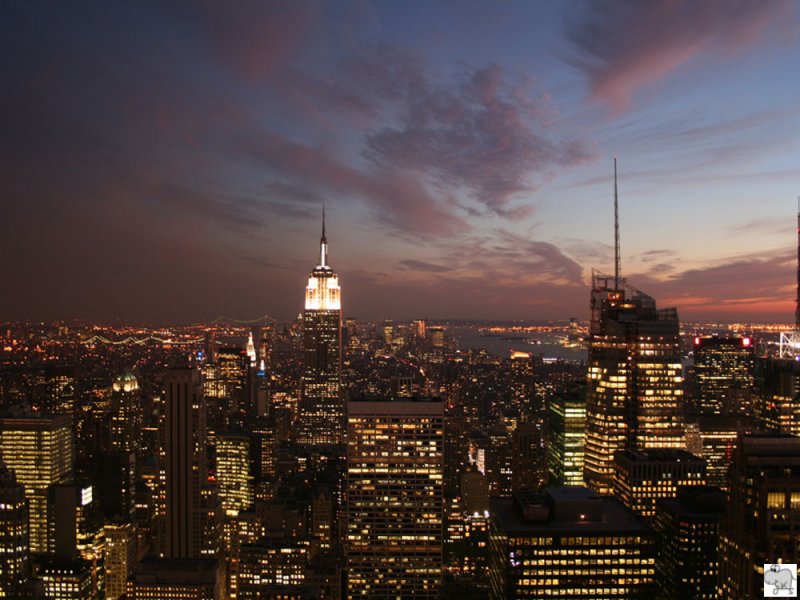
{"x":485,"y":134}
{"x":740,"y":286}
{"x":421,"y":265}
{"x":397,"y":199}
{"x":623,"y":45}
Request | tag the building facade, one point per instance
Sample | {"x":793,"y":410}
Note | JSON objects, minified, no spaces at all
{"x":322,"y":418}
{"x":634,"y":380}
{"x":41,"y":451}
{"x":762,"y":523}
{"x":568,"y":543}
{"x":395,"y":474}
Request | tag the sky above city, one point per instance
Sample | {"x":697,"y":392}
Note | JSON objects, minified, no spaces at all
{"x":169,"y":161}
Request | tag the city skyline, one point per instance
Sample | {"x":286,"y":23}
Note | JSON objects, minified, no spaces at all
{"x":170,"y":163}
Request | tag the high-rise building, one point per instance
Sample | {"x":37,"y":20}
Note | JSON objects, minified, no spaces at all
{"x":14,"y":540}
{"x":233,"y":473}
{"x":566,"y":432}
{"x":394,"y":497}
{"x":777,"y":407}
{"x":183,"y":460}
{"x":687,"y":529}
{"x":126,"y":414}
{"x":634,"y":395}
{"x":716,"y":440}
{"x":569,"y":543}
{"x":321,"y":404}
{"x":724,"y":372}
{"x":643,"y":476}
{"x":760,"y":525}
{"x":40,"y":449}
{"x":120,"y":557}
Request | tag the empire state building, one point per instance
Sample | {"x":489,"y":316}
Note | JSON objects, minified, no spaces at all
{"x":322,"y":415}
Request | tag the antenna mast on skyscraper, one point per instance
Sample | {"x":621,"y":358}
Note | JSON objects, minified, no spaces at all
{"x":797,"y":300}
{"x":617,"y":261}
{"x":789,"y":345}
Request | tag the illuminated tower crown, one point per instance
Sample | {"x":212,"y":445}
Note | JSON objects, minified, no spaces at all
{"x":322,"y":291}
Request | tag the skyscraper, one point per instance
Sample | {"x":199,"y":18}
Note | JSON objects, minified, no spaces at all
{"x":183,"y":463}
{"x":724,"y":370}
{"x":760,"y":523}
{"x":41,"y":451}
{"x":322,"y":417}
{"x":233,"y":473}
{"x":566,"y":432}
{"x":569,"y":543}
{"x":14,"y":542}
{"x":634,"y":382}
{"x":394,"y":498}
{"x":126,"y":414}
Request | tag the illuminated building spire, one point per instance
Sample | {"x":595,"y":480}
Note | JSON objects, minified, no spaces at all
{"x":323,"y":243}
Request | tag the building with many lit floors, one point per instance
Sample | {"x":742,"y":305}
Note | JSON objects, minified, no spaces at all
{"x":395,"y":470}
{"x":762,"y":523}
{"x":119,"y":557}
{"x":566,"y":434}
{"x":724,"y":369}
{"x":233,"y":473}
{"x":643,"y":476}
{"x":322,"y":419}
{"x":634,"y":380}
{"x":41,"y":451}
{"x":568,"y":543}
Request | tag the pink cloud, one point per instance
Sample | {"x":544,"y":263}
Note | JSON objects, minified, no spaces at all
{"x":623,"y":45}
{"x":397,"y":199}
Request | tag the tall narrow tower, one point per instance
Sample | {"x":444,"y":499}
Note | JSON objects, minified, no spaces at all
{"x":322,"y":415}
{"x":634,"y":393}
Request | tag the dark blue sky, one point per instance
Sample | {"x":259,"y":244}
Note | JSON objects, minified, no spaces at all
{"x":168,"y":161}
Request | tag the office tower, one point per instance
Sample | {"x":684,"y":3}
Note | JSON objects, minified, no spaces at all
{"x":634,"y":382}
{"x":569,"y":543}
{"x":14,"y":539}
{"x":687,"y":531}
{"x":321,"y":403}
{"x":59,"y":380}
{"x":117,"y":490}
{"x":634,"y":395}
{"x":777,"y":407}
{"x":265,"y":443}
{"x":643,"y":476}
{"x":760,"y":523}
{"x":174,"y":579}
{"x":436,"y":336}
{"x":394,"y":497}
{"x":528,"y":465}
{"x":41,"y":452}
{"x":120,"y":557}
{"x":233,"y":473}
{"x":566,"y":432}
{"x":126,"y":414}
{"x":716,"y":438}
{"x":724,"y":370}
{"x":183,"y":464}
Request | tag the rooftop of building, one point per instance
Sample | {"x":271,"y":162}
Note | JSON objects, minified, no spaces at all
{"x":565,"y":510}
{"x":183,"y":571}
{"x":656,"y":455}
{"x":697,"y":502}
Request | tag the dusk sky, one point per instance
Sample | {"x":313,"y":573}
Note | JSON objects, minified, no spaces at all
{"x":169,"y":161}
